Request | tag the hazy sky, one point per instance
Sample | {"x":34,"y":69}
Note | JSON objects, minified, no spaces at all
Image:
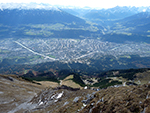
{"x":90,"y":3}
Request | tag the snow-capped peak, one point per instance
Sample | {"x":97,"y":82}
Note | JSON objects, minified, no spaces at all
{"x":144,"y":10}
{"x":27,"y":6}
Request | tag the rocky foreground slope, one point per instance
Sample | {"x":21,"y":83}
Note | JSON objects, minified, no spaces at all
{"x":20,"y":96}
{"x":112,"y":100}
{"x":15,"y":91}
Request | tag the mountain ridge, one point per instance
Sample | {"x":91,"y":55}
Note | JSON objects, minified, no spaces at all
{"x":27,"y":6}
{"x":36,"y":16}
{"x":31,"y":97}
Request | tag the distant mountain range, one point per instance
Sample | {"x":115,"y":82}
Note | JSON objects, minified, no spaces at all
{"x":41,"y":20}
{"x":26,"y":6}
{"x":136,"y":19}
{"x":115,"y":13}
{"x":130,"y":22}
{"x":36,"y":16}
{"x":105,"y":14}
{"x":122,"y":20}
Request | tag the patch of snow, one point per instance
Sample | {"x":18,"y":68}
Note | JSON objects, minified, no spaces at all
{"x":84,"y":105}
{"x":53,"y":96}
{"x":25,"y":105}
{"x":35,"y":94}
{"x":30,"y":92}
{"x":66,"y":103}
{"x":140,"y":102}
{"x":124,"y":84}
{"x":85,"y":87}
{"x":117,"y":85}
{"x":1,"y":8}
{"x":1,"y":92}
{"x":57,"y":96}
{"x":144,"y":111}
{"x":60,"y":95}
{"x":147,"y":96}
{"x":102,"y":99}
{"x":92,"y":104}
{"x":41,"y":103}
{"x":76,"y":99}
{"x":60,"y":82}
{"x":28,"y":6}
{"x":139,"y":81}
{"x":144,"y":10}
{"x":55,"y":100}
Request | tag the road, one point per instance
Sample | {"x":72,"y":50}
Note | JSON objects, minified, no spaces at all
{"x":47,"y":57}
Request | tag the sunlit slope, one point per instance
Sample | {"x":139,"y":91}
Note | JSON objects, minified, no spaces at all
{"x":15,"y":91}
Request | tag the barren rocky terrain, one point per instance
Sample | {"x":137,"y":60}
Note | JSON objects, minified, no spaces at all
{"x":15,"y":93}
{"x":20,"y":96}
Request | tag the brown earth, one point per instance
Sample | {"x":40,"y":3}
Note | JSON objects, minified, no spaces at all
{"x":14,"y":91}
{"x":18,"y":96}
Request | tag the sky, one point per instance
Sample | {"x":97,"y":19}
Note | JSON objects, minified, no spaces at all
{"x":89,"y":3}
